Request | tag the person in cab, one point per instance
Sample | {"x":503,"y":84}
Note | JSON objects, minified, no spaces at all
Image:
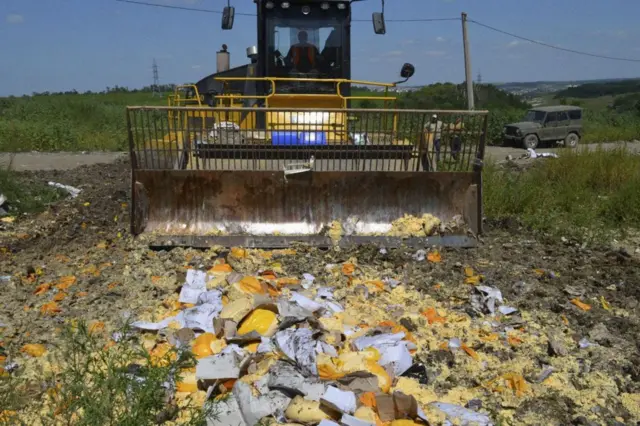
{"x":303,"y":56}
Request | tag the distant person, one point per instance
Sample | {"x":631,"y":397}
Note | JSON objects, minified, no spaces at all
{"x":303,"y":55}
{"x":456,"y":144}
{"x":433,"y":134}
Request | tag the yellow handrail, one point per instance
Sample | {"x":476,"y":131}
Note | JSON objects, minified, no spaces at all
{"x":338,"y":81}
{"x":176,"y":96}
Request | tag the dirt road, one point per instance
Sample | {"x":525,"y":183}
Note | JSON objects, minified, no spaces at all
{"x":42,"y":161}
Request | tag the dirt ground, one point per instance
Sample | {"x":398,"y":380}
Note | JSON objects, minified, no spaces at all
{"x":49,"y":161}
{"x":596,"y":384}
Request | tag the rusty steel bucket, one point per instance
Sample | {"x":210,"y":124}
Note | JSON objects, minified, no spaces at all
{"x":272,"y":177}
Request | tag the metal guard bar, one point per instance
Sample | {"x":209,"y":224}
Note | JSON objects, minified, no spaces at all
{"x":265,"y":176}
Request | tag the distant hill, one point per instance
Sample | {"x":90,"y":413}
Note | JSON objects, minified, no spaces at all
{"x":597,"y":89}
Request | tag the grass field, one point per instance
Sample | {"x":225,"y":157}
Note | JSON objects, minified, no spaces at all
{"x":96,"y":122}
{"x":68,"y":122}
{"x":597,"y":190}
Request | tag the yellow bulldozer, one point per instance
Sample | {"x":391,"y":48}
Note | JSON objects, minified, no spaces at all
{"x":280,"y":150}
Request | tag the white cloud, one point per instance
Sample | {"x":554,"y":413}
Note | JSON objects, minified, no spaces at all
{"x":440,"y":39}
{"x":514,"y":43}
{"x":619,"y":34}
{"x":14,"y":18}
{"x":409,"y":41}
{"x":435,"y":53}
{"x":195,"y":67}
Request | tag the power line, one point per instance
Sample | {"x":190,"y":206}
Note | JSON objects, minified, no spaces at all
{"x":195,"y":9}
{"x":540,"y":43}
{"x":577,"y":52}
{"x":192,"y":9}
{"x":411,"y":20}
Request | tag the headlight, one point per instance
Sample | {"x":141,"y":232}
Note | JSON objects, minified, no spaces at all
{"x":518,"y":132}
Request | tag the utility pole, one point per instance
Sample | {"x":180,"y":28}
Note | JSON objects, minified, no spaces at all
{"x":479,"y":78}
{"x":467,"y":63}
{"x":156,"y":81}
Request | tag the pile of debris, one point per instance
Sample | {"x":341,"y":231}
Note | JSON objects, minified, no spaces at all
{"x":294,"y":350}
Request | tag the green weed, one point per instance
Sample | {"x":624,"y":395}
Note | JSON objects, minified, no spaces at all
{"x":597,"y":190}
{"x":93,"y":384}
{"x":24,"y":195}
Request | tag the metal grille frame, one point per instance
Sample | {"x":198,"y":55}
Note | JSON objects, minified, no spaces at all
{"x":195,"y":170}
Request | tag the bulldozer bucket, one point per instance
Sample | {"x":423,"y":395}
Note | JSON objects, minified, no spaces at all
{"x":257,"y":177}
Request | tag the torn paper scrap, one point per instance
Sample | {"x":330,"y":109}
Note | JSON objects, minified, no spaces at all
{"x":325,"y":293}
{"x":455,"y":343}
{"x":325,"y":348}
{"x":288,"y":309}
{"x":213,"y":297}
{"x":462,"y":416}
{"x":286,"y":378}
{"x":507,"y":310}
{"x":330,"y":305}
{"x":195,"y":284}
{"x":338,"y":400}
{"x":73,"y":191}
{"x":305,"y":302}
{"x":349,"y":420}
{"x":393,"y":283}
{"x":298,"y":345}
{"x":307,"y":281}
{"x":398,"y":357}
{"x":491,"y":296}
{"x":419,"y":255}
{"x":226,"y":413}
{"x":379,"y":341}
{"x":201,"y":317}
{"x":254,"y":408}
{"x":225,"y":365}
{"x":325,"y":422}
{"x":265,"y":346}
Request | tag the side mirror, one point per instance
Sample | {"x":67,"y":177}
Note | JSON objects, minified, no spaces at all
{"x":378,"y":23}
{"x":407,"y":71}
{"x":228,"y":14}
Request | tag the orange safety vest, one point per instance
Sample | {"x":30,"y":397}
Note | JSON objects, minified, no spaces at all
{"x":298,"y":52}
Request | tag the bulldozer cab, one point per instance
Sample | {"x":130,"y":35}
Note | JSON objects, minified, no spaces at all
{"x":305,"y":41}
{"x":279,"y":150}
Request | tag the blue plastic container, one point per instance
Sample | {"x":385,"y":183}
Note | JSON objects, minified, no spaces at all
{"x":298,"y":138}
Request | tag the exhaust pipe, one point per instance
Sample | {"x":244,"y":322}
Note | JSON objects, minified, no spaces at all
{"x":223,"y":59}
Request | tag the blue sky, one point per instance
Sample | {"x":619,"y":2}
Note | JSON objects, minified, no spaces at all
{"x":90,"y":44}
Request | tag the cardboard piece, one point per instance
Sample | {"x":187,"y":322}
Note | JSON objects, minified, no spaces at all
{"x":360,"y":382}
